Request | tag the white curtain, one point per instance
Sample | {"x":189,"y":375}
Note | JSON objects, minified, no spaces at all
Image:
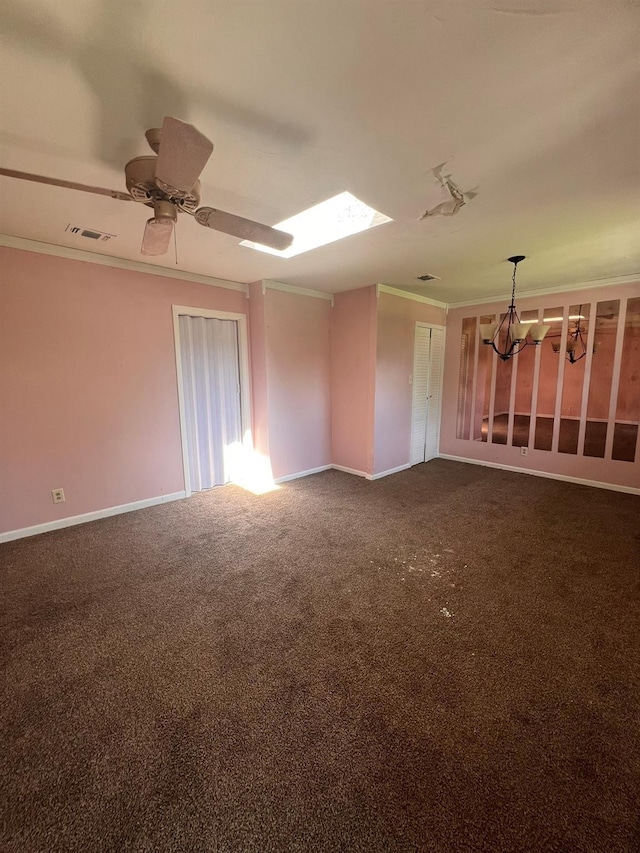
{"x":211,"y":392}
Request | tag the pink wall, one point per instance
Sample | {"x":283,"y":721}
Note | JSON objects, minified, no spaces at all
{"x":353,"y":353}
{"x":258,"y":358}
{"x":88,"y":384}
{"x":588,"y":468}
{"x":396,"y":325}
{"x":298,"y":363}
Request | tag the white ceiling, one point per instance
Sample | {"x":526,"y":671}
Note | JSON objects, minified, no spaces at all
{"x":532,"y":104}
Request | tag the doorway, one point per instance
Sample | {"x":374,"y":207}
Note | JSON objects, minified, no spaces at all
{"x":428,"y":360}
{"x":213,"y":393}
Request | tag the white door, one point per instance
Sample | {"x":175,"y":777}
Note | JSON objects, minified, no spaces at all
{"x":427,"y":387}
{"x":210,"y":374}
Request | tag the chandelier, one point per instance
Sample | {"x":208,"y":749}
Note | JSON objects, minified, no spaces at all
{"x":515,"y":338}
{"x":576,"y":347}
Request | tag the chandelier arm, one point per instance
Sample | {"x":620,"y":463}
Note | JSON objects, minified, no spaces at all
{"x":506,"y":354}
{"x":521,"y":347}
{"x":508,"y":318}
{"x":496,"y":334}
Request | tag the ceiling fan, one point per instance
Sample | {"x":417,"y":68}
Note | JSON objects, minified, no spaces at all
{"x":169,"y":184}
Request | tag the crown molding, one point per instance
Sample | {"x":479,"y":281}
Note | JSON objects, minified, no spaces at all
{"x":546,"y":291}
{"x":405,"y":294}
{"x":12,"y":242}
{"x":292,"y":288}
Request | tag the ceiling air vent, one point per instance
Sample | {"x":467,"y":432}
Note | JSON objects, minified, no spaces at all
{"x":428,"y":277}
{"x":89,"y":233}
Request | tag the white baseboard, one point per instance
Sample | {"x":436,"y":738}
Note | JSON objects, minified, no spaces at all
{"x":390,"y":471}
{"x":352,"y":471}
{"x":302,"y":474}
{"x":88,"y":516}
{"x":10,"y":535}
{"x":613,"y":487}
{"x":345,"y":470}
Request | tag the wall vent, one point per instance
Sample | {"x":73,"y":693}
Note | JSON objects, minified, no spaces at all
{"x":428,"y":277}
{"x":89,"y":233}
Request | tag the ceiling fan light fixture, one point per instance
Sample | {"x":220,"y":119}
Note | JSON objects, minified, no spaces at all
{"x":169,"y":184}
{"x":164,"y":209}
{"x":157,"y":236}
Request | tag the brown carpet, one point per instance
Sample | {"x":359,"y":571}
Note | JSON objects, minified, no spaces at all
{"x":442,"y":660}
{"x":625,"y":436}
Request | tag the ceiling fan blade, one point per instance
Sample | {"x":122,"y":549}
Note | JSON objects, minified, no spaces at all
{"x":69,"y":185}
{"x":245,"y":229}
{"x":183,"y":154}
{"x":157,"y":236}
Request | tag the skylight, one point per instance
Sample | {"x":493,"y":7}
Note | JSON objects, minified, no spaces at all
{"x":331,"y":220}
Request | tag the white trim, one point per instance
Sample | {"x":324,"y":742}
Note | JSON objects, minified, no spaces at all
{"x":112,"y":261}
{"x":557,"y":416}
{"x":302,"y":474}
{"x":208,"y":313}
{"x":344,"y":470}
{"x":443,"y":329}
{"x":474,"y":381}
{"x":492,"y":396}
{"x":245,"y":386}
{"x":615,"y":379}
{"x":512,"y":398}
{"x":72,"y":520}
{"x":13,"y":242}
{"x":614,"y":487}
{"x":546,"y":291}
{"x":390,"y":471}
{"x":586,"y":381}
{"x":352,"y":471}
{"x":535,"y":387}
{"x":413,"y":432}
{"x":405,"y":294}
{"x":292,"y":288}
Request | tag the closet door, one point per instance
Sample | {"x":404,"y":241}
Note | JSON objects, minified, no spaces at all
{"x":211,"y":393}
{"x":427,"y":391}
{"x":436,"y":358}
{"x":420,"y":393}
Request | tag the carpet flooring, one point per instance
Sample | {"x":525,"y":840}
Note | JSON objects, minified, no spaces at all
{"x":442,"y":660}
{"x":625,"y":436}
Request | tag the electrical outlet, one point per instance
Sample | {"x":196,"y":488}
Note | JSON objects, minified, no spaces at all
{"x":57,"y":496}
{"x":524,"y":451}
